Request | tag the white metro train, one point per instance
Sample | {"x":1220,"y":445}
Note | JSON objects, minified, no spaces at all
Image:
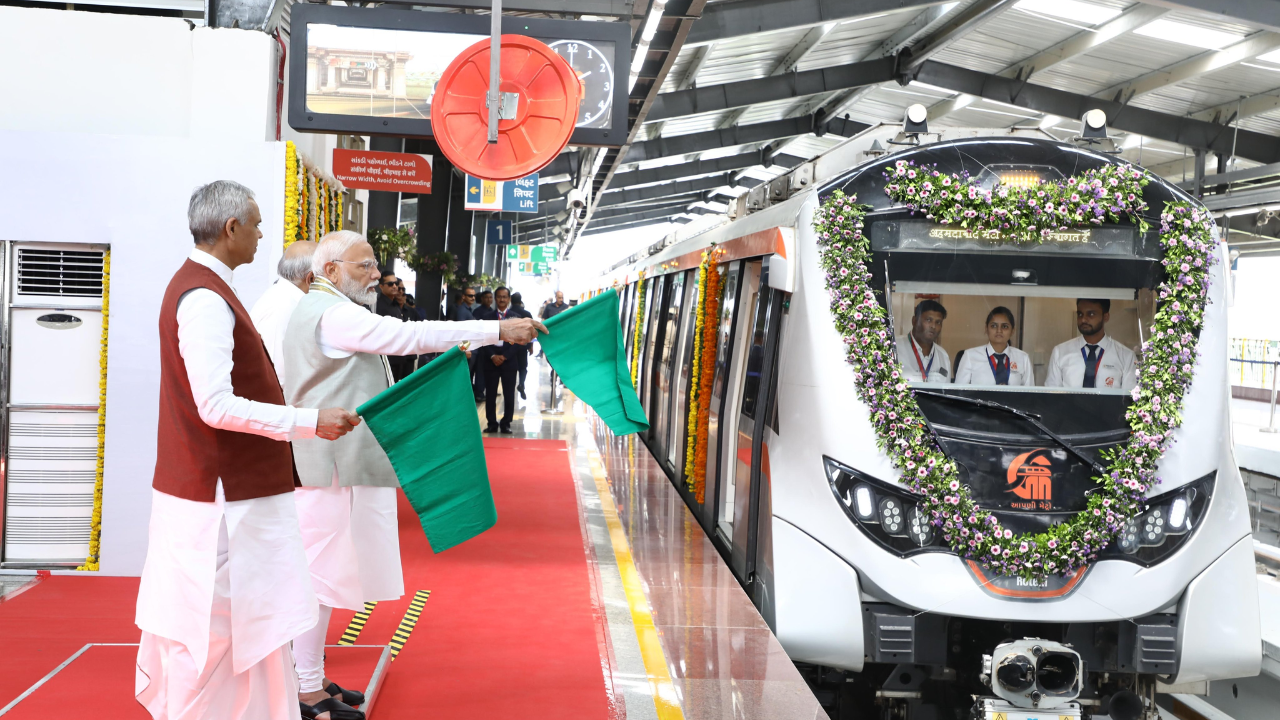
{"x":882,"y":617}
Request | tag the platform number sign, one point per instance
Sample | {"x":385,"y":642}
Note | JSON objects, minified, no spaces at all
{"x":497,"y":232}
{"x":596,"y":75}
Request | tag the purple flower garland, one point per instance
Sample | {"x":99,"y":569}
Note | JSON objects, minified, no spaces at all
{"x":1021,"y":215}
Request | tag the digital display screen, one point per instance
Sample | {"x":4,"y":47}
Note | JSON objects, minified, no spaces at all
{"x":388,"y":73}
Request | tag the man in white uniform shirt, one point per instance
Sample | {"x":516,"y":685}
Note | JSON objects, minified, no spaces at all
{"x":271,"y":313}
{"x":225,"y":586}
{"x":334,"y":348}
{"x":997,"y":362}
{"x":922,"y":358}
{"x":1094,"y":359}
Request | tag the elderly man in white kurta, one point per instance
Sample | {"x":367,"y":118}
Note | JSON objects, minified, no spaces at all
{"x":225,"y":586}
{"x":271,"y":313}
{"x":334,"y":349}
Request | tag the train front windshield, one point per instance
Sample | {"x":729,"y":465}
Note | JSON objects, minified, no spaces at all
{"x":991,"y":332}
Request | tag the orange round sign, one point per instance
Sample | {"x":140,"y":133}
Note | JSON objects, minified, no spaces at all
{"x":546,"y":92}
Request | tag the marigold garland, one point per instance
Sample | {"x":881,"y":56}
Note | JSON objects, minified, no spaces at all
{"x":290,"y":193}
{"x":695,"y":373}
{"x":706,"y":379}
{"x":95,"y":521}
{"x":304,"y":208}
{"x":635,"y":345}
{"x":1024,"y":215}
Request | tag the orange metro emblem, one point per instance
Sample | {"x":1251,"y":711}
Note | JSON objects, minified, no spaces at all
{"x":1029,"y":476}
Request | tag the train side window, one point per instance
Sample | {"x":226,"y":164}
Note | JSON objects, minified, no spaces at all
{"x":755,"y":358}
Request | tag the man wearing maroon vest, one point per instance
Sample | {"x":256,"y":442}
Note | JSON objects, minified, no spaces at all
{"x":225,"y":587}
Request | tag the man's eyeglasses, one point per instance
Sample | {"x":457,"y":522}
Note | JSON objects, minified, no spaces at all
{"x":470,"y":296}
{"x":365,"y":265}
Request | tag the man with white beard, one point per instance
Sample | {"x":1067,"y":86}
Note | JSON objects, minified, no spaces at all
{"x":334,"y":348}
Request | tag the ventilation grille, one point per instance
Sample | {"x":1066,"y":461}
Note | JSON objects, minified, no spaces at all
{"x":52,"y":476}
{"x":42,"y":430}
{"x":65,"y":273}
{"x":47,"y":530}
{"x":53,"y":453}
{"x":83,"y":500}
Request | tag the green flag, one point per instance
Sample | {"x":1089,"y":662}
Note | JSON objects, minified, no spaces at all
{"x":585,"y":348}
{"x":428,"y":426}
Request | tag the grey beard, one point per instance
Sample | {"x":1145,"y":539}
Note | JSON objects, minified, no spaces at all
{"x":358,"y":292}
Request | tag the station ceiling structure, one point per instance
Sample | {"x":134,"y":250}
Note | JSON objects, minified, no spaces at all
{"x":727,"y":94}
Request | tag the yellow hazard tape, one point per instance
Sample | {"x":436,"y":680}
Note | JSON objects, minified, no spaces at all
{"x":665,"y":699}
{"x":357,"y":624}
{"x":401,"y":635}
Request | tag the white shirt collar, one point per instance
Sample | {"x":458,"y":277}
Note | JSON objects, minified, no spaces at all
{"x":1008,"y":349}
{"x":911,"y":340}
{"x":213,"y":263}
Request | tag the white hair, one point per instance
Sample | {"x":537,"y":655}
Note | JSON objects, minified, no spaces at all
{"x":296,"y":266}
{"x":332,"y":247}
{"x":213,"y":205}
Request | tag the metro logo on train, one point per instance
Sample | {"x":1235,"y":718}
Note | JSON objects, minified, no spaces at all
{"x":1031,"y":478}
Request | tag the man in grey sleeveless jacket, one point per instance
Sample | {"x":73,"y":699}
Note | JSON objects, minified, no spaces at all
{"x":335,"y":348}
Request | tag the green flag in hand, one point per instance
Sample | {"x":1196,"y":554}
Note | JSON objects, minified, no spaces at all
{"x":585,"y":348}
{"x":428,"y":427}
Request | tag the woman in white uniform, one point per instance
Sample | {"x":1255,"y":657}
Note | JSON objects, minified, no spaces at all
{"x":997,"y":362}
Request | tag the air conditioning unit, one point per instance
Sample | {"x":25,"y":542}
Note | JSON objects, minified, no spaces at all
{"x":53,"y":339}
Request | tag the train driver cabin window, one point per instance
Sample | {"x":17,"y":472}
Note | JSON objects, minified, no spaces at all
{"x":980,"y":312}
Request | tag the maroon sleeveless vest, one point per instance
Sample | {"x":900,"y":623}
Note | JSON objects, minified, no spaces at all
{"x":190,"y":455}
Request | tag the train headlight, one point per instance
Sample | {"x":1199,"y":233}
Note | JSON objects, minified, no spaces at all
{"x":864,"y":503}
{"x":887,"y":513}
{"x":1152,"y":533}
{"x":1169,"y":521}
{"x":919,"y":529}
{"x":893,"y":516}
{"x":1127,"y":540}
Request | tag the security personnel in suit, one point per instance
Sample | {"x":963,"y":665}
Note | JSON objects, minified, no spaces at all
{"x":502,"y":363}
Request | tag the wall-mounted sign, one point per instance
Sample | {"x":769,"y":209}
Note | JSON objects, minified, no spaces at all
{"x":384,"y":171}
{"x":503,"y":195}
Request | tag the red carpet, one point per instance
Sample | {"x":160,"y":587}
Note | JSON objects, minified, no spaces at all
{"x":510,"y":629}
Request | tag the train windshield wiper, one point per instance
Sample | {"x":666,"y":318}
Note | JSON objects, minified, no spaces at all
{"x":1029,"y":417}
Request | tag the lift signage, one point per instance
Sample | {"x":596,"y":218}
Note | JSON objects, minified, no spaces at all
{"x":383,"y":171}
{"x":519,"y":195}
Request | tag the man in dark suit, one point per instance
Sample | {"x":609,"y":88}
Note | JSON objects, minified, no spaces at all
{"x":501,"y":363}
{"x":391,"y":304}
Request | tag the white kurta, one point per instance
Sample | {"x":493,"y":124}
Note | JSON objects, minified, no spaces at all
{"x":1117,"y":368}
{"x":975,"y":367}
{"x":352,"y":533}
{"x":916,"y":363}
{"x":216,"y":625}
{"x":271,"y":316}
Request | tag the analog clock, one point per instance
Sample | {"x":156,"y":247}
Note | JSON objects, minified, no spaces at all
{"x":594,"y":66}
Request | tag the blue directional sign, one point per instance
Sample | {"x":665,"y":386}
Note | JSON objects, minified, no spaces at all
{"x":497,"y":232}
{"x":503,"y":195}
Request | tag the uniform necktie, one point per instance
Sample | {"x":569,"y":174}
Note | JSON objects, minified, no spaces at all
{"x":1091,"y":367}
{"x":1002,"y":368}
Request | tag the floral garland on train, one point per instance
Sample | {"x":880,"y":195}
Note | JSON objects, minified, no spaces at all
{"x":1024,"y":215}
{"x":639,"y":325}
{"x":707,"y":316}
{"x":312,"y":200}
{"x":95,"y":520}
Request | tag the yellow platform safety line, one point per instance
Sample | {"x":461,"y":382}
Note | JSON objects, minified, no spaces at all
{"x":655,"y":660}
{"x":401,"y":635}
{"x":357,"y":624}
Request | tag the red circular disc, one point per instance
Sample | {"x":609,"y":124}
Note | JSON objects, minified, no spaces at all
{"x":547,"y":108}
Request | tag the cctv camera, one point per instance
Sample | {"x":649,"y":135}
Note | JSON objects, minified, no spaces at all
{"x":576,"y":199}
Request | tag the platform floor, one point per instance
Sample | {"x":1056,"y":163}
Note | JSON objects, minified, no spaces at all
{"x":596,"y":596}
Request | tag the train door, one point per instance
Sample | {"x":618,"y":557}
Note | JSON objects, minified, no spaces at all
{"x":750,"y":426}
{"x":649,"y":336}
{"x":747,"y":298}
{"x":724,"y":350}
{"x":628,"y":319}
{"x":664,"y":362}
{"x":680,"y":375}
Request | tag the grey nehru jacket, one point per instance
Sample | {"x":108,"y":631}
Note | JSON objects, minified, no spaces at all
{"x":314,"y":380}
